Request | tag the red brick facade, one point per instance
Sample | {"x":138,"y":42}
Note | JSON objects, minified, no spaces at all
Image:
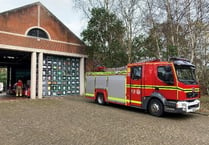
{"x":15,"y":24}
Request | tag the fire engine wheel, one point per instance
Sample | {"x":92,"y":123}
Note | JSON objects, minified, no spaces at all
{"x":100,"y":99}
{"x":156,"y":108}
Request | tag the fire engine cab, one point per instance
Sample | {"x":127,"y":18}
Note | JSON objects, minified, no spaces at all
{"x":156,"y":86}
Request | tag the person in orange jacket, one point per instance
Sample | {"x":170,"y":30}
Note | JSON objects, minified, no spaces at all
{"x":19,"y":86}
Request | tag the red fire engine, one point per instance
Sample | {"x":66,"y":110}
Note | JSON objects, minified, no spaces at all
{"x":156,"y":86}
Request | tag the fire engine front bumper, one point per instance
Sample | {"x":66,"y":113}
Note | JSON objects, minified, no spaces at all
{"x":182,"y":106}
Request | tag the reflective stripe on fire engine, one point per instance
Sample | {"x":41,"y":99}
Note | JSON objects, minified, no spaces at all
{"x":89,"y":95}
{"x":136,"y":102}
{"x":121,"y":100}
{"x":162,"y":88}
{"x":115,"y":99}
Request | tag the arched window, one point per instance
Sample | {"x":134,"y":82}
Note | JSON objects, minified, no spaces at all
{"x":36,"y":32}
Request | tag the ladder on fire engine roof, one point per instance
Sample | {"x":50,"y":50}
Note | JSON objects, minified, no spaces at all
{"x":123,"y":68}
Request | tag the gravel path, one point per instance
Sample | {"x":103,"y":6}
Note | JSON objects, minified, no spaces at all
{"x":79,"y":121}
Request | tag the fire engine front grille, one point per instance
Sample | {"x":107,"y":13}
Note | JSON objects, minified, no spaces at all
{"x":193,"y":106}
{"x":192,"y":95}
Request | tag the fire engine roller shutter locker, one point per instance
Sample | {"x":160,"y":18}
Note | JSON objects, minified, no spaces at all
{"x":61,"y":76}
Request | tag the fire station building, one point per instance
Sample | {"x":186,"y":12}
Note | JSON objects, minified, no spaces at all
{"x":41,"y":51}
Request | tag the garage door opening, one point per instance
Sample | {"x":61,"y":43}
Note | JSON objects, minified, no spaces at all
{"x":14,"y":65}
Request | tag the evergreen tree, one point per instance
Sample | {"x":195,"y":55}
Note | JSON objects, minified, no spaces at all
{"x":104,"y":37}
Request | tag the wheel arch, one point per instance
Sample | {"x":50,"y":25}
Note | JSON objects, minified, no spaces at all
{"x":101,"y":92}
{"x":146,"y":100}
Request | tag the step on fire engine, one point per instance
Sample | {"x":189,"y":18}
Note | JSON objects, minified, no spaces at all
{"x":156,"y":86}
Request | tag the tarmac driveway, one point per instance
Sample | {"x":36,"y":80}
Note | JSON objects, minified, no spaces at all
{"x":76,"y":120}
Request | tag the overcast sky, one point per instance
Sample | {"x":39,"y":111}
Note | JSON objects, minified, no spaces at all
{"x":62,"y":9}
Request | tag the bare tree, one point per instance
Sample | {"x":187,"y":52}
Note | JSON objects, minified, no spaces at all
{"x":183,"y":24}
{"x":130,"y":13}
{"x":87,"y":5}
{"x":151,"y":23}
{"x":199,"y":28}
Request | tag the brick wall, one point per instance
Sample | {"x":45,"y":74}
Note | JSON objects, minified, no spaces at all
{"x":40,"y":44}
{"x":18,"y":21}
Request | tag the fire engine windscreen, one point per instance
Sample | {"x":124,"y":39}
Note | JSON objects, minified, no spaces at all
{"x":186,"y":74}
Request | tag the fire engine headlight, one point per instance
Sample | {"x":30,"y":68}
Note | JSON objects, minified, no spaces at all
{"x":181,"y":105}
{"x":184,"y":105}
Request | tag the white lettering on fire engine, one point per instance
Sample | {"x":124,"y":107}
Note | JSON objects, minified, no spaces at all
{"x":132,"y":91}
{"x":136,"y":91}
